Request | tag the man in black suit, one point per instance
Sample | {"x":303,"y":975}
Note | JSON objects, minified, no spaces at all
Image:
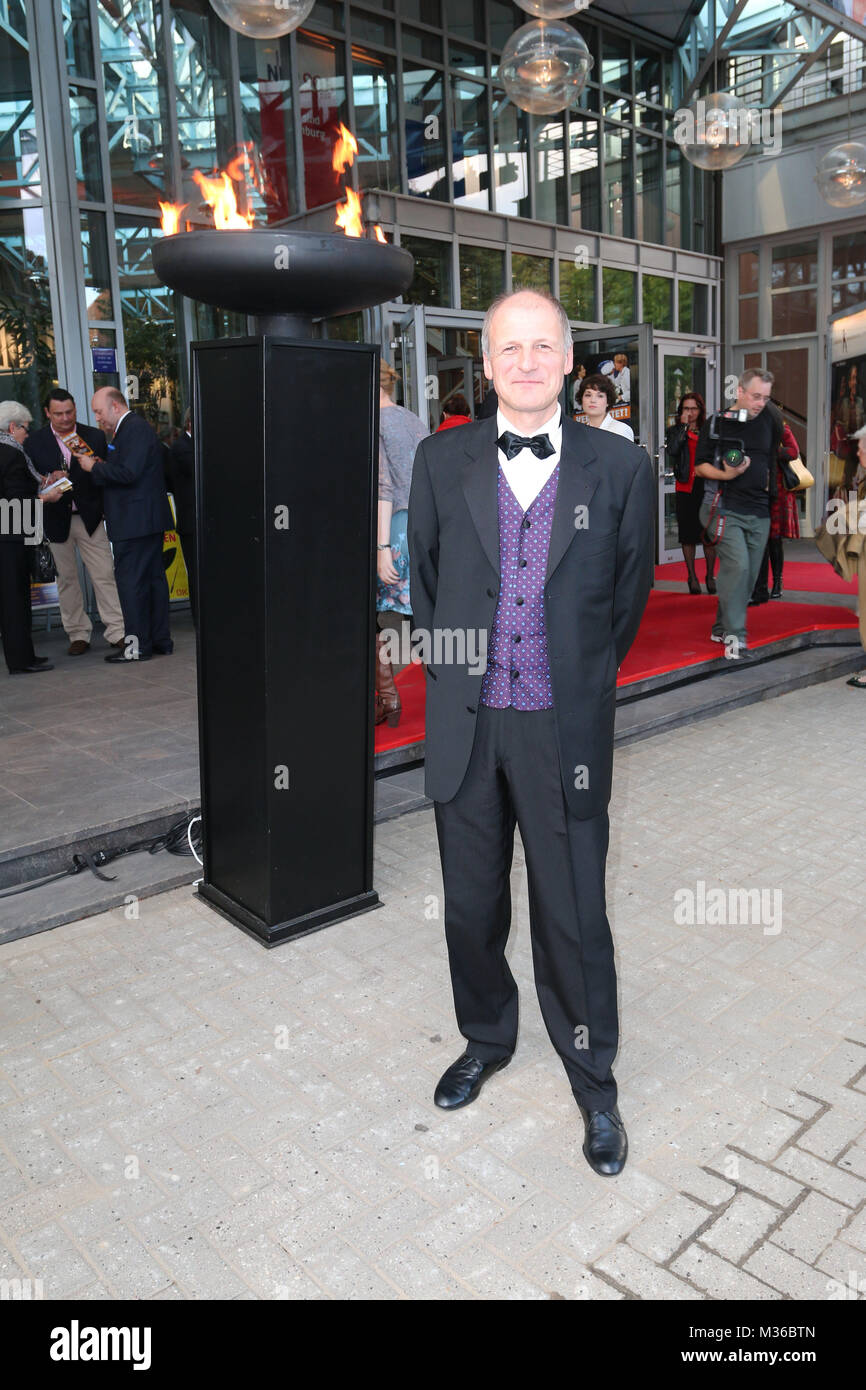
{"x":136,"y":514}
{"x":182,"y":482}
{"x":530,"y":537}
{"x":73,"y":524}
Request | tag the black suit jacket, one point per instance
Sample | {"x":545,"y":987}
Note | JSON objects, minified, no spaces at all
{"x":599,"y":575}
{"x":45,"y":455}
{"x":133,"y":482}
{"x":182,"y":481}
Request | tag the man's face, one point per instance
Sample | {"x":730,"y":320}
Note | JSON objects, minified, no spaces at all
{"x":620,"y":361}
{"x":61,"y":416}
{"x":527,"y":360}
{"x":753,"y":397}
{"x":104,"y":412}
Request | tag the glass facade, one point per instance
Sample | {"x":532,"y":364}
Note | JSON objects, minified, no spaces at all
{"x":159,"y":94}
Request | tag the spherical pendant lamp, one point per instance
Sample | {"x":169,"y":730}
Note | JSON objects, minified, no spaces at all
{"x":841,"y":176}
{"x":544,"y":66}
{"x":714,"y":132}
{"x":554,"y":9}
{"x":263,"y":19}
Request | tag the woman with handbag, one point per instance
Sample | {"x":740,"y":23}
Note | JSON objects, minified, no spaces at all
{"x":680,"y":444}
{"x":18,"y":496}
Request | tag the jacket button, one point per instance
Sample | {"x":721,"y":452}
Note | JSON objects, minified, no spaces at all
{"x":471,"y":709}
{"x":526,"y":523}
{"x":519,"y":602}
{"x":523,"y":564}
{"x":491,"y":593}
{"x":516,"y":637}
{"x":515,"y":675}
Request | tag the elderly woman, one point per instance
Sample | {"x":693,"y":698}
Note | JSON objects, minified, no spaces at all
{"x":400,"y":433}
{"x":18,"y":489}
{"x":595,"y":397}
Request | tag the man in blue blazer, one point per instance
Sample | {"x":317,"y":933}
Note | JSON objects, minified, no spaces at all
{"x":531,"y":539}
{"x":136,"y":515}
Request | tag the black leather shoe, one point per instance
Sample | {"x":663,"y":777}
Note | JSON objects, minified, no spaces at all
{"x":776,"y":591}
{"x":605,"y":1146}
{"x":43,"y":665}
{"x":463,"y":1080}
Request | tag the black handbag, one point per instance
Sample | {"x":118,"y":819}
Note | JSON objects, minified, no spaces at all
{"x":42,"y":567}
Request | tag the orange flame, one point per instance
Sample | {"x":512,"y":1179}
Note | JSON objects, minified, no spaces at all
{"x":380,"y":235}
{"x":344,"y":150}
{"x":349,"y":214}
{"x":219,"y":194}
{"x":171,"y":217}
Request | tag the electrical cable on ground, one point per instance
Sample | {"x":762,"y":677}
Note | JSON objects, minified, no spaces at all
{"x":180,"y":839}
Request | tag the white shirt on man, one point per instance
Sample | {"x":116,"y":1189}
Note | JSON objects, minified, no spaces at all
{"x":525,"y":473}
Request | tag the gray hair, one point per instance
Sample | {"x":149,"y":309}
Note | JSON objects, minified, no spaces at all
{"x":749,"y":375}
{"x":11,"y":413}
{"x":538,"y":294}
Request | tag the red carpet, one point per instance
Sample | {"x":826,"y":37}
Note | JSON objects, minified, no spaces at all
{"x":798,"y":576}
{"x":674,"y":633}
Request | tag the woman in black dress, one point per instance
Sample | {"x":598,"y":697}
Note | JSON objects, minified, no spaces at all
{"x":680,"y":444}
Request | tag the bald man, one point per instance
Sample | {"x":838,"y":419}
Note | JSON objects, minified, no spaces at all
{"x":535,"y":534}
{"x":136,"y":516}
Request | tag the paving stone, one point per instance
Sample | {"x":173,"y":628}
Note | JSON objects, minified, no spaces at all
{"x":755,"y":1177}
{"x":643,"y":1277}
{"x":809,"y":1229}
{"x":741,"y":1225}
{"x":790,"y":1276}
{"x":719,"y":1278}
{"x":660,"y":1235}
{"x":825,"y":1177}
{"x":831,"y":1134}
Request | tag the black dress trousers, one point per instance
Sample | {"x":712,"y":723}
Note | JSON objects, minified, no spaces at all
{"x":15,"y":610}
{"x":142,"y":587}
{"x":513,"y":777}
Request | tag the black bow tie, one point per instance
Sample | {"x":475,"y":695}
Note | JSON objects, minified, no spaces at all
{"x":511,"y":444}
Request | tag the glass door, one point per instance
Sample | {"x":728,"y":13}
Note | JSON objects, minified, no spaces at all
{"x":680,"y":367}
{"x":410,"y":361}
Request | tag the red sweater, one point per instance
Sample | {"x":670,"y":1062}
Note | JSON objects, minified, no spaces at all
{"x":449,"y":421}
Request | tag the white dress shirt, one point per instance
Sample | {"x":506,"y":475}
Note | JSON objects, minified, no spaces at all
{"x":526,"y":474}
{"x":617,"y":427}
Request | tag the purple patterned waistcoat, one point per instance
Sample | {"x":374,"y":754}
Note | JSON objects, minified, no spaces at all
{"x":518,"y":667}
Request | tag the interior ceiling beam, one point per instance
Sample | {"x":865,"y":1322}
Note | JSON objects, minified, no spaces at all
{"x":715,"y":51}
{"x":816,"y":53}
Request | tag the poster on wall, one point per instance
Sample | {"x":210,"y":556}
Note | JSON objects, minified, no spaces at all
{"x":847,"y":389}
{"x":620,"y":368}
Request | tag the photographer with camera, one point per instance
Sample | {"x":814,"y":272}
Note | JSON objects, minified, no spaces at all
{"x":734,"y":454}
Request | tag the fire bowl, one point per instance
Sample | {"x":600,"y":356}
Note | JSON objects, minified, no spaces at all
{"x":277,"y":274}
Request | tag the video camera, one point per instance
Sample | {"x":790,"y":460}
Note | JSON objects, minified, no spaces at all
{"x":730,"y":447}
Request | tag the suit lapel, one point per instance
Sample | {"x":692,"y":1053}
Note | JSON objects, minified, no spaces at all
{"x":577,"y":483}
{"x":480,"y":479}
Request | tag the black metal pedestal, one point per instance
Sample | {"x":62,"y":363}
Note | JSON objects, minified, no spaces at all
{"x":286,"y":466}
